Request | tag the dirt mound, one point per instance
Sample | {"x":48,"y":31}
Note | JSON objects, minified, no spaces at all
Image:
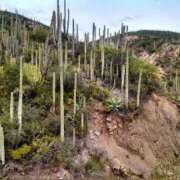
{"x":136,"y":145}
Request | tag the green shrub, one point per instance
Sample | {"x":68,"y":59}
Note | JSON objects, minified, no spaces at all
{"x":44,"y":149}
{"x":65,"y":155}
{"x":1,"y":72}
{"x":94,"y":165}
{"x":168,"y":170}
{"x":32,"y":74}
{"x":150,"y":77}
{"x":114,"y":105}
{"x":39,"y":35}
{"x":20,"y":153}
{"x":11,"y":78}
{"x":96,"y":92}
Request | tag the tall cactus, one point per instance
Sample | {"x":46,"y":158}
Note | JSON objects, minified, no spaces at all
{"x":2,"y":148}
{"x":73,"y":40}
{"x":91,"y":66}
{"x":58,"y":37}
{"x":79,"y":63}
{"x":54,"y":93}
{"x":20,"y":103}
{"x":12,"y":107}
{"x":75,"y":105}
{"x":102,"y":59}
{"x":139,"y":88}
{"x":66,"y":22}
{"x":2,"y":26}
{"x":111,"y":72}
{"x":82,"y":114}
{"x":85,"y":51}
{"x":66,"y":55}
{"x":127,"y":81}
{"x":122,"y":78}
{"x":60,"y":53}
{"x":94,"y":37}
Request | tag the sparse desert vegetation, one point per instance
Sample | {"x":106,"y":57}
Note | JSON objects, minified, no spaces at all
{"x":105,"y":106}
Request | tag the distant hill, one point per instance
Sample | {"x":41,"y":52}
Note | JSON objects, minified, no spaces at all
{"x":24,"y":20}
{"x":156,"y":34}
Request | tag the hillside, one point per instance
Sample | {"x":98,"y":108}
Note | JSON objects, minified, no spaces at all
{"x":104,"y":108}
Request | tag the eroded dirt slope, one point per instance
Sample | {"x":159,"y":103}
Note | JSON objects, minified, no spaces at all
{"x":136,"y":145}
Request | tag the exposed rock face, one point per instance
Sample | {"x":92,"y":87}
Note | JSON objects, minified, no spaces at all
{"x":137,"y":145}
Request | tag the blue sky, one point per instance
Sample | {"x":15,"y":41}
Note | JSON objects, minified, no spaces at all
{"x":138,"y":14}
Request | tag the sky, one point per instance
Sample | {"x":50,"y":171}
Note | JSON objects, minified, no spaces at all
{"x":138,"y":14}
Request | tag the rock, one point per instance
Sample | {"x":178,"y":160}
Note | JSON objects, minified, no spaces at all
{"x":97,"y":133}
{"x":64,"y":175}
{"x":107,"y":170}
{"x":82,"y":158}
{"x":109,"y":119}
{"x":118,"y":169}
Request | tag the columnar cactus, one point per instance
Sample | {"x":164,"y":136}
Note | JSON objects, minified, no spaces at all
{"x":102,"y":59}
{"x":127,"y":81}
{"x":139,"y":88}
{"x":77,"y":33}
{"x":74,"y":110}
{"x":66,"y":55}
{"x":60,"y":54}
{"x":94,"y":37}
{"x":73,"y":40}
{"x":82,"y":114}
{"x":12,"y":107}
{"x":57,"y":36}
{"x":91,"y":66}
{"x":79,"y":63}
{"x":36,"y":58}
{"x":2,"y":148}
{"x":20,"y":103}
{"x":2,"y":26}
{"x":85,"y":50}
{"x":117,"y":71}
{"x":40,"y":57}
{"x":66,"y":22}
{"x":54,"y":93}
{"x":111,"y":72}
{"x":122,"y":78}
{"x":32,"y":55}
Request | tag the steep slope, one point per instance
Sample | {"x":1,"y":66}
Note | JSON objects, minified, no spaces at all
{"x":136,"y":145}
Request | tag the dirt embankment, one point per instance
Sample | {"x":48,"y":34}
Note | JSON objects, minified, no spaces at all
{"x":136,"y":145}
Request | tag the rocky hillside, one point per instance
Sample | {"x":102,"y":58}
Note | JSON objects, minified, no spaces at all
{"x":105,"y":108}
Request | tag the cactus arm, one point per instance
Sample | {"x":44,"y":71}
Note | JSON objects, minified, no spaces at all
{"x":2,"y":148}
{"x":20,"y":104}
{"x":12,"y":107}
{"x":139,"y":89}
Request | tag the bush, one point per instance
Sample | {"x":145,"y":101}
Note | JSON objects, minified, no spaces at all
{"x":1,"y":72}
{"x":11,"y":78}
{"x":45,"y":149}
{"x":39,"y":35}
{"x":94,"y":165}
{"x":96,"y":92}
{"x":66,"y":154}
{"x":168,"y":169}
{"x":150,"y":76}
{"x":114,"y":105}
{"x":32,"y":74}
{"x":20,"y":153}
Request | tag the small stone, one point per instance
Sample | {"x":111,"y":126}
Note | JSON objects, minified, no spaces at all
{"x":97,"y":133}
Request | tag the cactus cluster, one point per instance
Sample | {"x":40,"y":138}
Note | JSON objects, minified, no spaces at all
{"x":45,"y":63}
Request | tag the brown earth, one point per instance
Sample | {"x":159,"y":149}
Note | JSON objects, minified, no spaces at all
{"x":136,"y":145}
